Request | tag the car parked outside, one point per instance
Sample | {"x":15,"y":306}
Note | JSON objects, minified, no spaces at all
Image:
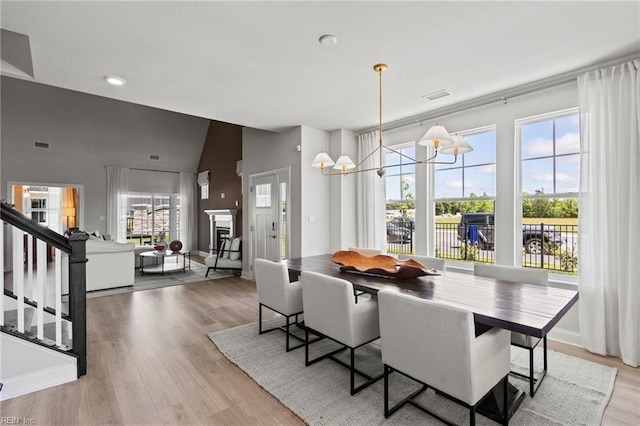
{"x":480,"y":229}
{"x":400,"y":230}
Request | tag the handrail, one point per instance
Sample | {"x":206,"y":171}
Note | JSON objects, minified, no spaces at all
{"x":75,"y":246}
{"x":32,"y":227}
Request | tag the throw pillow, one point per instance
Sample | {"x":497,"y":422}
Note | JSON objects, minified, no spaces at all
{"x":226,"y":246}
{"x":235,"y":249}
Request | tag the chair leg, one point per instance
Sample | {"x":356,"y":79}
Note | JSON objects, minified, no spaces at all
{"x":208,"y":269}
{"x":353,"y":371}
{"x":386,"y":391}
{"x":306,"y":347}
{"x":472,"y":416}
{"x":505,"y":400}
{"x":260,"y":318}
{"x":544,"y":343}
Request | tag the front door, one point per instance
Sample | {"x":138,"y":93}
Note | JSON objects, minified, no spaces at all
{"x":266,"y":218}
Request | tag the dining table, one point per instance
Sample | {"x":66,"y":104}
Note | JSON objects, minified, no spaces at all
{"x":524,"y":308}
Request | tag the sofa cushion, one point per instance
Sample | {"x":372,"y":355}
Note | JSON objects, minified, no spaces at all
{"x":235,"y":254}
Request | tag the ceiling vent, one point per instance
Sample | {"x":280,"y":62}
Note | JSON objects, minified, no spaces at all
{"x":154,"y":157}
{"x":44,"y":145}
{"x":436,"y":95}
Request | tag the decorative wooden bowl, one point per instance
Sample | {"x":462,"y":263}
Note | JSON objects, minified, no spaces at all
{"x":380,"y":264}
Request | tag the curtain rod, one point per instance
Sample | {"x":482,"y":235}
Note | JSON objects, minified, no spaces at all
{"x":153,"y":170}
{"x":503,"y":95}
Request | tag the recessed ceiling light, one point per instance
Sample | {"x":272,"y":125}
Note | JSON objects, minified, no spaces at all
{"x":328,"y":40}
{"x":115,"y":80}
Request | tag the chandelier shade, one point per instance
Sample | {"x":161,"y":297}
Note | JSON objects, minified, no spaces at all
{"x":459,"y":146}
{"x":322,"y":160}
{"x":437,"y":137}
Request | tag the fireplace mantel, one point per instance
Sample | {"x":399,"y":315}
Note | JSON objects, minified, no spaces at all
{"x":220,"y":218}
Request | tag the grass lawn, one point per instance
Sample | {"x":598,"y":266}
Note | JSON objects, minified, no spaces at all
{"x":526,"y":221}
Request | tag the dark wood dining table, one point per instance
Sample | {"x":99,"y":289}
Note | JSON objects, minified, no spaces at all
{"x":525,"y":308}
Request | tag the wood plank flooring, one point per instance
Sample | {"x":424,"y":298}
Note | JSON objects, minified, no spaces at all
{"x":150,"y":362}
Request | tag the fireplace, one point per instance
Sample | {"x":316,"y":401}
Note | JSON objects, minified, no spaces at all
{"x":222,"y":224}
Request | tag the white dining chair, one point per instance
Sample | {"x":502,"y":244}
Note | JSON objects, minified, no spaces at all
{"x":429,"y":262}
{"x":278,"y":294}
{"x":331,"y":311}
{"x":435,"y":344}
{"x":527,"y":276}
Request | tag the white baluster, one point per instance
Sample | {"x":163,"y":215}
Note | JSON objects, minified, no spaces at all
{"x":2,"y":273}
{"x":30,"y":281}
{"x":58,"y":293}
{"x":41,"y":274}
{"x":18,"y":275}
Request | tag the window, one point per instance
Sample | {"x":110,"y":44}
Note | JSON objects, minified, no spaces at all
{"x":467,"y":186}
{"x":263,"y":195}
{"x":550,"y":176}
{"x":400,"y":181}
{"x":152,"y":218}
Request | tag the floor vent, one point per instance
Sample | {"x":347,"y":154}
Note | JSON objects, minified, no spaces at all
{"x":154,"y":157}
{"x":44,"y":145}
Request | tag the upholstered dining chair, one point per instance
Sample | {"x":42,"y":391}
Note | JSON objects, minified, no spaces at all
{"x":435,"y":344}
{"x":330,"y":311}
{"x":528,"y":276}
{"x":278,"y":294}
{"x":429,"y":262}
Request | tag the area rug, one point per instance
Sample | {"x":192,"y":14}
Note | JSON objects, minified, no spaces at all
{"x":574,"y":392}
{"x":155,"y":280}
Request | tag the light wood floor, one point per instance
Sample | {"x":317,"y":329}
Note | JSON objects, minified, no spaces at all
{"x":150,"y":362}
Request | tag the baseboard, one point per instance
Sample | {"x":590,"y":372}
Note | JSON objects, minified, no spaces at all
{"x":28,"y":367}
{"x":566,"y":336}
{"x":204,"y":254}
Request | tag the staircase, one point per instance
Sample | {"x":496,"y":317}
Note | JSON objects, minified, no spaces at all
{"x":43,"y":305}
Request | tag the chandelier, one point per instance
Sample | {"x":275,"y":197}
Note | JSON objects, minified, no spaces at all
{"x":437,"y":137}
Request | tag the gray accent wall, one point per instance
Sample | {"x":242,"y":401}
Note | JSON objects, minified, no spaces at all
{"x":87,"y":133}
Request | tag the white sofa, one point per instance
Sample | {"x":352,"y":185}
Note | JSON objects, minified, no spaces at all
{"x":109,"y":265}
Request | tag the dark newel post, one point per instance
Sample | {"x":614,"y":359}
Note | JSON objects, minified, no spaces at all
{"x":78,"y":298}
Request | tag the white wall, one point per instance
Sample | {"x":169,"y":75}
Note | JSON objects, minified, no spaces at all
{"x":86,"y":133}
{"x":264,"y":151}
{"x":342,"y":194}
{"x":315,"y":194}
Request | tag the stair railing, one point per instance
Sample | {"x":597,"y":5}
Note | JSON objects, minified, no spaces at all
{"x":23,"y":232}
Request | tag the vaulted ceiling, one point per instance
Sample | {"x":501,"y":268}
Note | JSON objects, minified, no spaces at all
{"x":260,"y":64}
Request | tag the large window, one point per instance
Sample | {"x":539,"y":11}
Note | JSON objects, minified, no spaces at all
{"x":152,"y":218}
{"x":400,"y":179}
{"x":550,"y":165}
{"x":462,"y":190}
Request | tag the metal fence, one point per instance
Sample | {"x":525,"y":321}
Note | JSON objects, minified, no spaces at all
{"x":400,"y":237}
{"x":547,"y":246}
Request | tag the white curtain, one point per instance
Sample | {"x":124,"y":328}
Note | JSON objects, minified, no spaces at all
{"x":609,"y":207}
{"x":117,"y":192}
{"x":188,"y":210}
{"x":371,"y":204}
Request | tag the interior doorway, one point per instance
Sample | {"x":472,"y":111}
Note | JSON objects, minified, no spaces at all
{"x":56,"y":207}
